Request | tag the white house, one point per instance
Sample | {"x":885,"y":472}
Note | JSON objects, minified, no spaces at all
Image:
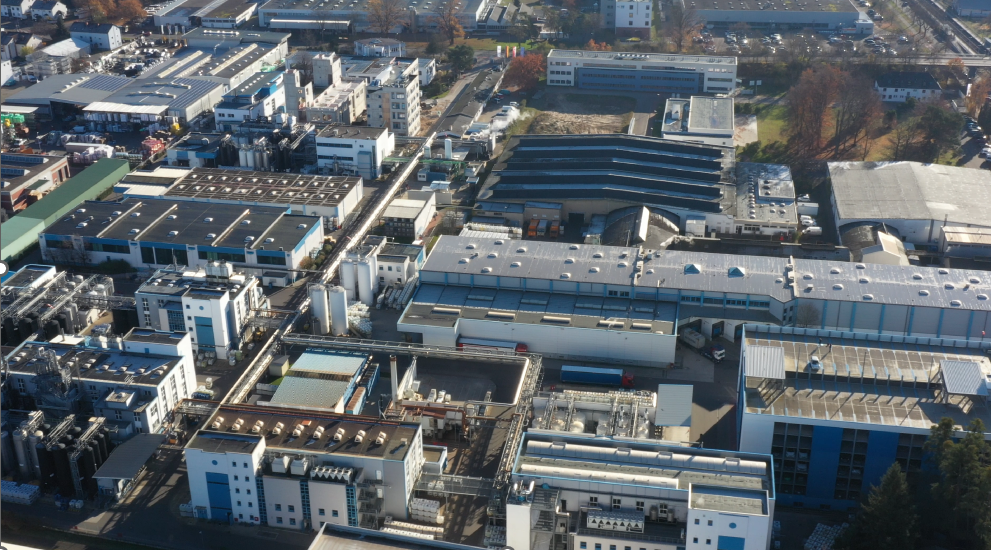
{"x":354,"y":149}
{"x":899,"y":86}
{"x":48,"y":10}
{"x":18,"y":9}
{"x":380,"y":47}
{"x":428,"y":70}
{"x":101,"y":36}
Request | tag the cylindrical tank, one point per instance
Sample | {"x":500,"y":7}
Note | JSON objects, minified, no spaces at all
{"x":23,"y":466}
{"x":319,"y":309}
{"x":448,"y":149}
{"x":72,"y":315}
{"x":348,"y":280}
{"x":338,"y":311}
{"x":9,"y":332}
{"x":52,"y":329}
{"x":242,"y":157}
{"x":63,"y":322}
{"x":46,"y":427}
{"x":97,"y":457}
{"x":101,"y":442}
{"x":259,"y":160}
{"x":7,"y":458}
{"x":265,"y":158}
{"x":87,"y":468}
{"x":33,"y":441}
{"x":373,"y":261}
{"x":47,"y":463}
{"x":75,"y":431}
{"x":365,"y":292}
{"x":110,"y":442}
{"x":63,"y":472}
{"x":26,"y":326}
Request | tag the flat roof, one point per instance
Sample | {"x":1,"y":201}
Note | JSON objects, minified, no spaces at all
{"x":169,"y":282}
{"x":296,"y":391}
{"x":411,"y":251}
{"x":910,"y":191}
{"x":674,"y":405}
{"x":894,"y":383}
{"x":774,"y":5}
{"x":89,"y":363}
{"x":967,"y":235}
{"x":360,"y":7}
{"x":20,"y":169}
{"x":404,"y":208}
{"x":127,"y":459}
{"x":350,"y":132}
{"x":177,"y":93}
{"x":766,"y":193}
{"x":646,"y":57}
{"x":732,"y":501}
{"x":264,"y":187}
{"x":26,"y":276}
{"x":237,"y":36}
{"x":710,"y":113}
{"x":80,"y":89}
{"x":393,"y":449}
{"x":321,"y":361}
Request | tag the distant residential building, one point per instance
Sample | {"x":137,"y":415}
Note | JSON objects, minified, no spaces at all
{"x":633,"y":18}
{"x":18,"y":9}
{"x":48,"y":10}
{"x":428,"y":70}
{"x":12,"y":43}
{"x":57,"y":58}
{"x":899,"y":86}
{"x":103,"y":36}
{"x":261,"y":95}
{"x":212,"y":302}
{"x":972,"y":8}
{"x":380,"y":47}
{"x":354,"y":149}
{"x":6,"y":71}
{"x":394,"y":101}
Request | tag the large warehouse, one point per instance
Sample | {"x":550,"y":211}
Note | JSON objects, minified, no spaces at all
{"x":624,"y":304}
{"x":770,"y":15}
{"x":353,"y":17}
{"x":641,"y":72}
{"x":834,"y":430}
{"x":910,"y":198}
{"x":155,"y":233}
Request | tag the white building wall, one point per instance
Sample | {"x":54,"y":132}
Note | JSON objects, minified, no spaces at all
{"x":199,"y":462}
{"x":901,"y":95}
{"x":632,"y":14}
{"x":755,"y":530}
{"x":329,"y":497}
{"x":216,"y":310}
{"x":281,"y":494}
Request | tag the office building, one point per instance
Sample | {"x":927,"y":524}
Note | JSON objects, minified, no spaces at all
{"x":101,"y":36}
{"x":350,"y":18}
{"x":357,"y":150}
{"x":260,"y":96}
{"x":573,"y":492}
{"x":28,"y":177}
{"x":641,"y":72}
{"x":912,"y":200}
{"x":211,"y":302}
{"x":135,"y":381}
{"x":408,"y":219}
{"x":827,"y":15}
{"x":299,"y":469}
{"x":836,"y":415}
{"x":632,"y":18}
{"x":157,"y":232}
{"x":393,"y":99}
{"x":708,"y":120}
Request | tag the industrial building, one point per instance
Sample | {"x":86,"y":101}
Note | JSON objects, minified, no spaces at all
{"x":641,"y":72}
{"x":294,"y":468}
{"x":407,"y":218}
{"x":350,"y":18}
{"x":623,"y":414}
{"x":625,"y":304}
{"x":211,"y":302}
{"x":259,"y":97}
{"x":135,"y":381}
{"x":21,"y":232}
{"x":28,"y":177}
{"x":912,"y":200}
{"x":62,"y":94}
{"x":332,"y":197}
{"x":100,"y":36}
{"x":226,"y":14}
{"x":779,"y":15}
{"x":836,"y":409}
{"x":154,"y":101}
{"x":965,"y":242}
{"x":380,"y":47}
{"x":379,"y":262}
{"x":157,"y":232}
{"x":707,"y":120}
{"x":575,"y":492}
{"x":356,"y":150}
{"x":323,"y":380}
{"x":195,"y":150}
{"x":393,"y":99}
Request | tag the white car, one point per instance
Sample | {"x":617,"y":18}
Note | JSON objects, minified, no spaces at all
{"x":986,"y":152}
{"x":807,"y":221}
{"x":815,"y":364}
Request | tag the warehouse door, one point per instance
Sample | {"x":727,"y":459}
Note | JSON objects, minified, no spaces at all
{"x":204,"y":331}
{"x":218,"y":490}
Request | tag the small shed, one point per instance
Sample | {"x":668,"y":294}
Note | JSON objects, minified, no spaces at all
{"x":116,"y":477}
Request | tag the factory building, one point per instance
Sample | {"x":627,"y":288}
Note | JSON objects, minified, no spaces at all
{"x":408,"y":218}
{"x":332,"y":197}
{"x":299,"y":469}
{"x":339,"y":101}
{"x":135,"y":381}
{"x":152,"y":100}
{"x":207,"y":38}
{"x":690,"y":187}
{"x":836,"y":409}
{"x":211,"y":302}
{"x":641,"y":72}
{"x":912,"y":200}
{"x":27,"y":178}
{"x":707,"y":120}
{"x":350,"y":18}
{"x":380,"y":47}
{"x":778,"y":15}
{"x":379,"y":262}
{"x":226,"y":14}
{"x":605,"y":493}
{"x":323,"y":380}
{"x":626,"y":304}
{"x":155,"y":233}
{"x":965,"y":242}
{"x":195,"y":150}
{"x":356,"y":150}
{"x":260,"y":96}
{"x":393,"y":99}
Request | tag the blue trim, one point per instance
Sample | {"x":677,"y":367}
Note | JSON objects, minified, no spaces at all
{"x":853,"y":316}
{"x":880,"y":325}
{"x":911,"y":319}
{"x":939,"y":327}
{"x":748,"y":302}
{"x":825,"y":306}
{"x":970,"y":323}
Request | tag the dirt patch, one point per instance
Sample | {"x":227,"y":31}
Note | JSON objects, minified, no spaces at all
{"x":581,"y":114}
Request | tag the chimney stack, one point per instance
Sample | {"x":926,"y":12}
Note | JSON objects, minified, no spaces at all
{"x":395,"y":380}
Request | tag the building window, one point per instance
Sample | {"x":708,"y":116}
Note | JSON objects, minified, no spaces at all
{"x":239,"y":503}
{"x":292,"y":521}
{"x":321,"y":512}
{"x":235,"y":478}
{"x":237,"y":491}
{"x":696,"y":519}
{"x":593,"y":501}
{"x":240,"y":516}
{"x":583,"y":545}
{"x":234,"y":464}
{"x":334,"y":513}
{"x":250,"y":505}
{"x":278,"y":519}
{"x":598,"y":546}
{"x":695,"y":540}
{"x":639,"y":506}
{"x":278,"y":508}
{"x":292,"y":508}
{"x":617,"y":504}
{"x":710,"y":523}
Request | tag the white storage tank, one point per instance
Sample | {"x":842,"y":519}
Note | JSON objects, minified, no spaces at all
{"x":319,"y":309}
{"x":338,"y":311}
{"x":374,"y":262}
{"x":348,"y":280}
{"x":366,"y":293}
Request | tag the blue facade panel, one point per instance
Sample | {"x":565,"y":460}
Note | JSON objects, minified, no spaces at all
{"x":218,"y":491}
{"x":730,"y":543}
{"x":204,"y":331}
{"x":823,"y":462}
{"x":881,"y":454}
{"x":598,"y":78}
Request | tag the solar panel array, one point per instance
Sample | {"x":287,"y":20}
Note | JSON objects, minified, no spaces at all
{"x":106,"y":83}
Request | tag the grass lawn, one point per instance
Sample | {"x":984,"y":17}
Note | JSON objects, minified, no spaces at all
{"x":771,"y":123}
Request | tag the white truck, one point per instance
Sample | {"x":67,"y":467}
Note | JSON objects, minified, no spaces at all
{"x":698,"y":342}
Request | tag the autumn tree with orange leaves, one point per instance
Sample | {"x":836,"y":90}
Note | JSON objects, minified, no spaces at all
{"x":525,"y":72}
{"x":112,"y":10}
{"x":594,"y":46}
{"x":809,"y":103}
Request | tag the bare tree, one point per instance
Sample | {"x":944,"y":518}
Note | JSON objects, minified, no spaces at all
{"x":683,"y":23}
{"x":809,"y":103}
{"x":304,"y":64}
{"x":858,"y":110}
{"x":385,"y":15}
{"x":808,"y":315}
{"x":448,"y":23}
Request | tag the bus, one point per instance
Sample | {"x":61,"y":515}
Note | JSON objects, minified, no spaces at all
{"x":497,"y":345}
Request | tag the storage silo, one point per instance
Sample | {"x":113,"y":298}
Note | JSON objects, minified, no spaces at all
{"x":348,"y":279}
{"x":87,"y":469}
{"x":339,"y":311}
{"x":33,"y":441}
{"x":319,"y":308}
{"x":23,"y":466}
{"x":52,"y":329}
{"x":365,"y":292}
{"x":101,"y":441}
{"x":63,"y":472}
{"x":63,"y":322}
{"x":373,"y":261}
{"x":6,"y":452}
{"x":47,"y":463}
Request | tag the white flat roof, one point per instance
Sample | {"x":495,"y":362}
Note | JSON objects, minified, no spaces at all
{"x":108,"y":107}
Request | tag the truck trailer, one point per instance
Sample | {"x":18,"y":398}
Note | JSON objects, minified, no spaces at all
{"x":696,"y":341}
{"x":596,"y":375}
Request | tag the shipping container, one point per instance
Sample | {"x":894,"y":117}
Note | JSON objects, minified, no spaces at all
{"x":542,"y":228}
{"x":596,"y":375}
{"x":555,"y":229}
{"x":532,"y":230}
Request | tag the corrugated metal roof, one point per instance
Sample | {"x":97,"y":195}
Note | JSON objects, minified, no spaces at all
{"x":330,"y":361}
{"x":765,"y":362}
{"x":126,"y":460}
{"x":87,"y":185}
{"x":309,"y":392}
{"x":963,"y":378}
{"x":112,"y":107}
{"x":674,"y":405}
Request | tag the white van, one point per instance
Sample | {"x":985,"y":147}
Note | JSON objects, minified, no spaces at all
{"x":812,"y":230}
